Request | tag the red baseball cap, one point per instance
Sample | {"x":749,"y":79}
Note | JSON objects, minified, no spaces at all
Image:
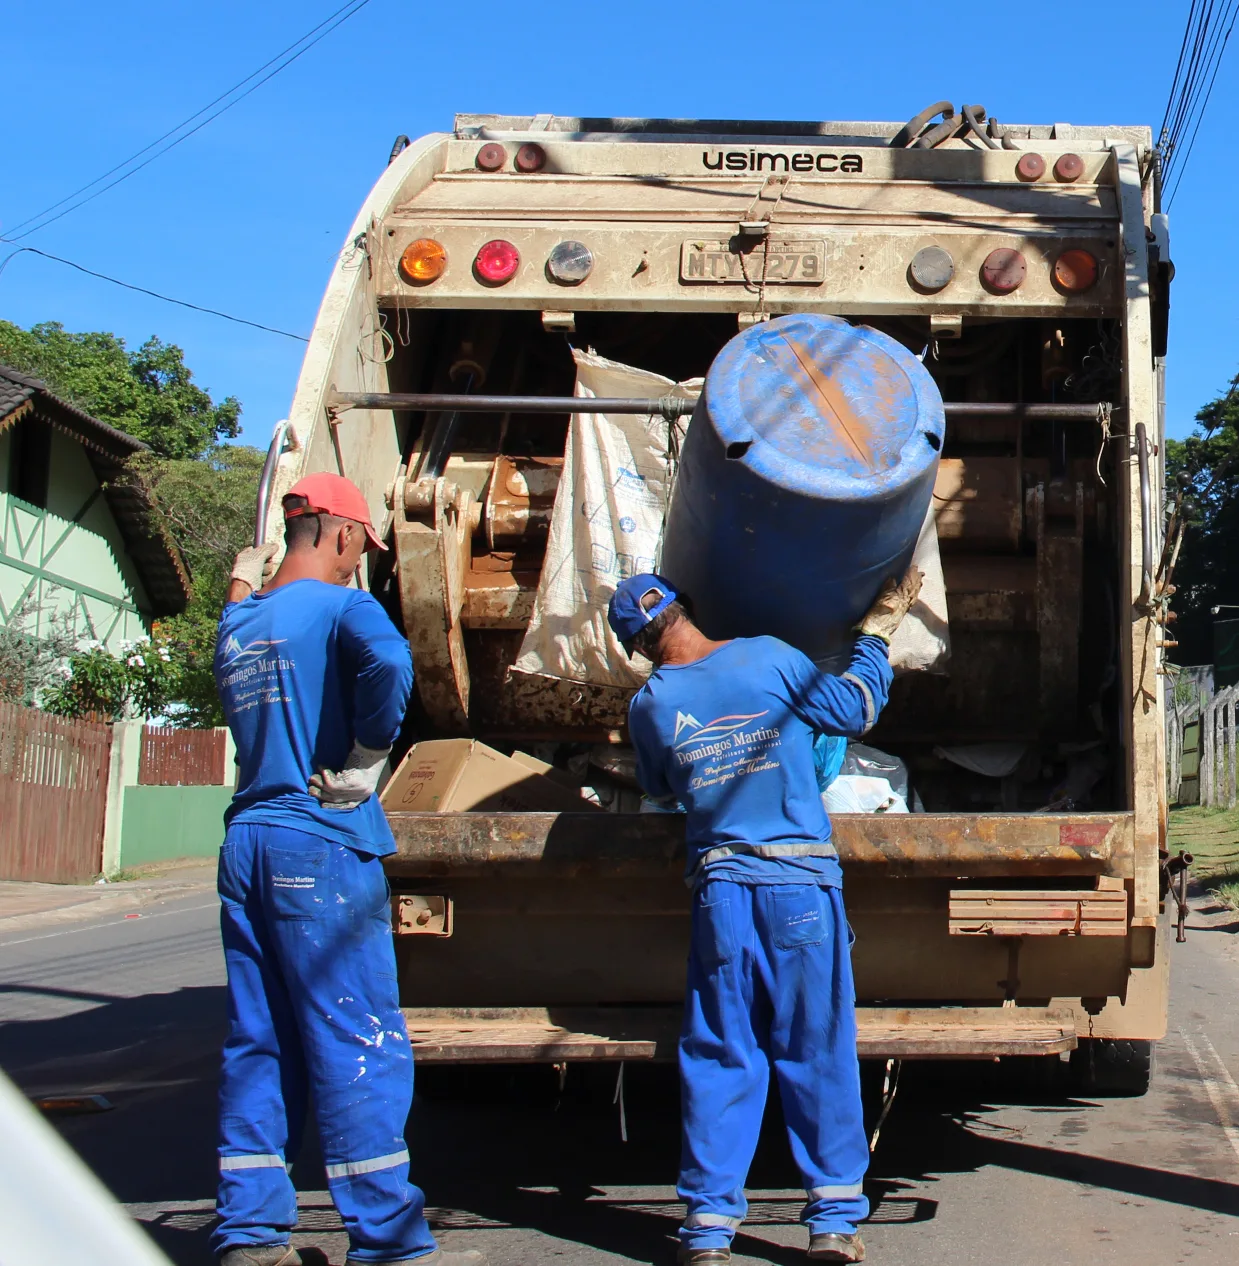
{"x":333,"y":494}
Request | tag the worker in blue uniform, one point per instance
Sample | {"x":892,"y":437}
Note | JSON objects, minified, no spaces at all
{"x":314,"y":680}
{"x":727,"y":730}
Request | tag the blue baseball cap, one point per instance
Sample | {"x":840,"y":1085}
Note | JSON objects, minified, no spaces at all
{"x":625,"y":613}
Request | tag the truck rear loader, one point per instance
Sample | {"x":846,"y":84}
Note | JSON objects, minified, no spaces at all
{"x":1021,"y":912}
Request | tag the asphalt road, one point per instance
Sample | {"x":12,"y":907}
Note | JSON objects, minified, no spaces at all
{"x":973,"y":1167}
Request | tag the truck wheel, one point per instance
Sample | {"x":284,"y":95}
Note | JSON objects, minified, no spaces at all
{"x":1112,"y":1067}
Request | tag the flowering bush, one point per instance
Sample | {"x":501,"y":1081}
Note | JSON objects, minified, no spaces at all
{"x":140,"y":681}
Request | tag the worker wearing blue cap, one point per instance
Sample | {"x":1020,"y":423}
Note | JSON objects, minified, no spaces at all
{"x":727,"y":730}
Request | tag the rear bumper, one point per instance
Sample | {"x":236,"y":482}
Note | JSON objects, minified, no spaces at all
{"x":647,"y":845}
{"x":523,"y":1035}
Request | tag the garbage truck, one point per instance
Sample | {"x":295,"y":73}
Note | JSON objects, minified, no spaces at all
{"x":516,"y":290}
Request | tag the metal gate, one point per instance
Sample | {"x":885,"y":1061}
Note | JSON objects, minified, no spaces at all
{"x":53,"y":795}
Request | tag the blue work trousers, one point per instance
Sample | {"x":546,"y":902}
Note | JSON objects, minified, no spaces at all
{"x":313,"y":1007}
{"x":769,"y":987}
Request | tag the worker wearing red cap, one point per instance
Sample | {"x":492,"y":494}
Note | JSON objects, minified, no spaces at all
{"x":314,"y":680}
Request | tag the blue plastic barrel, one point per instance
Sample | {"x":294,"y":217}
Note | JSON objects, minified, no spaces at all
{"x":804,"y":480}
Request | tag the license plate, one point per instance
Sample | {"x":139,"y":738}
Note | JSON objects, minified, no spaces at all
{"x":775,"y":263}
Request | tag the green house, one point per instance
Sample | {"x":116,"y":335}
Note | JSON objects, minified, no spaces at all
{"x":72,"y":535}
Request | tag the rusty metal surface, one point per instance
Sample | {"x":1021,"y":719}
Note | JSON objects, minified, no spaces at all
{"x":520,"y":498}
{"x":1025,"y":912}
{"x":498,"y":600}
{"x":544,"y":1035}
{"x":432,"y":553}
{"x":631,"y":845}
{"x":530,"y":703}
{"x":414,"y":915}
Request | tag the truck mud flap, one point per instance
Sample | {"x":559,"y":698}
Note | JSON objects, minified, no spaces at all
{"x":523,"y":1035}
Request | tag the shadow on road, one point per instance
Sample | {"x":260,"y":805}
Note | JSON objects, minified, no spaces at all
{"x":509,"y":1148}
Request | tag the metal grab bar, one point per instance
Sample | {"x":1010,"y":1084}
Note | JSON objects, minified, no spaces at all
{"x":1146,"y":518}
{"x":668,"y":406}
{"x":281,"y":443}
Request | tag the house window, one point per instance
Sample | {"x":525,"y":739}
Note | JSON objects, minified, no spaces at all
{"x":30,"y":460}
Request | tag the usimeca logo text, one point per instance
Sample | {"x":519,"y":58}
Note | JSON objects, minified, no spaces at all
{"x":772,"y":160}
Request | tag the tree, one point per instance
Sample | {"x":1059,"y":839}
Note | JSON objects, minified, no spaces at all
{"x":1208,"y":572}
{"x":207,"y":507}
{"x":149,"y":394}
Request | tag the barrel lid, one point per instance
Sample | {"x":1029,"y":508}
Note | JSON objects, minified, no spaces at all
{"x":814,"y":403}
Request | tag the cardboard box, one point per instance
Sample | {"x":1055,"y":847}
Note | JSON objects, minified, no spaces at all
{"x":461,"y":775}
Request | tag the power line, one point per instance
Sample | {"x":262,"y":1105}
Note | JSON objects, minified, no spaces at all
{"x":154,"y":294}
{"x":1191,"y":145}
{"x":281,"y":61}
{"x":1205,"y":36}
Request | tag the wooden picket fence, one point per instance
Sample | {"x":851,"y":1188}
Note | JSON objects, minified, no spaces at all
{"x":1220,"y":735}
{"x":182,"y":758}
{"x":53,"y":795}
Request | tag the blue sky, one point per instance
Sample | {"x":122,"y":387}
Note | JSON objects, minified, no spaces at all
{"x":248,"y":215}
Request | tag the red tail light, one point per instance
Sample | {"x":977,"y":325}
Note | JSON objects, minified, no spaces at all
{"x":491,"y":157}
{"x":1003,"y":270}
{"x":497,"y":262}
{"x":530,"y":158}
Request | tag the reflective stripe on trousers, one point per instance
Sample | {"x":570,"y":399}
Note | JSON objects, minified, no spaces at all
{"x":259,"y":1160}
{"x":371,"y":1166}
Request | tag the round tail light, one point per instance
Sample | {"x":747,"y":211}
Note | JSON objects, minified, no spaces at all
{"x":1004,"y":270}
{"x":1075,"y":271}
{"x":931,"y":268}
{"x":570,"y":263}
{"x":491,"y":157}
{"x":530,"y":157}
{"x":497,"y":262}
{"x":1068,"y":168}
{"x":423,"y":261}
{"x":1030,"y":167}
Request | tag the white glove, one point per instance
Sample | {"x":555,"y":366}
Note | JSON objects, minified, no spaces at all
{"x":891,"y":605}
{"x":253,"y":565}
{"x":352,"y":785}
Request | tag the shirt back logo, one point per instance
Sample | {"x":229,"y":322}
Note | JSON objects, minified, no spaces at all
{"x":719,"y":728}
{"x":234,"y":651}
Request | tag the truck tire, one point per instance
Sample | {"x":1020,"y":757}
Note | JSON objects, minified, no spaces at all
{"x":1112,"y":1067}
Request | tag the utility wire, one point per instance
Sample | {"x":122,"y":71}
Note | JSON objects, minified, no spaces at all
{"x":1205,"y":36}
{"x":280,"y":62}
{"x":1191,"y":145}
{"x":154,"y":294}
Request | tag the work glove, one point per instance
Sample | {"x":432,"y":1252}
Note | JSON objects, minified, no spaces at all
{"x":891,"y":605}
{"x":352,"y":785}
{"x":253,"y":566}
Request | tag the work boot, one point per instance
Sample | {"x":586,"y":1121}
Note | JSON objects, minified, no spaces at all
{"x":836,"y":1247}
{"x":704,"y":1256}
{"x":437,"y":1257}
{"x":261,"y":1255}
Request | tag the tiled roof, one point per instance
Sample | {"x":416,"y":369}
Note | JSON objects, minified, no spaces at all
{"x":157,"y":559}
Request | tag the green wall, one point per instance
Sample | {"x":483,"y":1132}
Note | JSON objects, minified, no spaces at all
{"x":71,"y":555}
{"x":160,"y":823}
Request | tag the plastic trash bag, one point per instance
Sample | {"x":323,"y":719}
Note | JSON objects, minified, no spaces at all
{"x":857,"y":793}
{"x":828,"y":753}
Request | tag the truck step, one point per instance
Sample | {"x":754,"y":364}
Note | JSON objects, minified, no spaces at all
{"x":525,"y":1035}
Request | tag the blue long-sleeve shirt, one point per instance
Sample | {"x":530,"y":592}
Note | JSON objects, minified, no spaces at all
{"x":303,"y":671}
{"x":731,"y":737}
